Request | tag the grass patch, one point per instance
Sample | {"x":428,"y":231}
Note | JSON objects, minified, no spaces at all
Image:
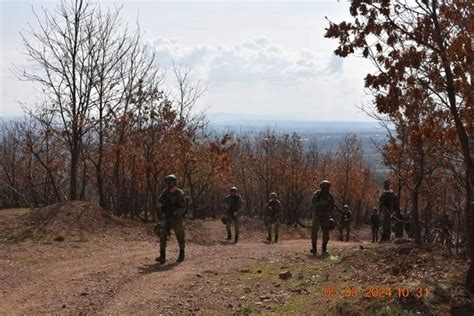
{"x":33,"y":261}
{"x":16,"y":236}
{"x":260,"y":288}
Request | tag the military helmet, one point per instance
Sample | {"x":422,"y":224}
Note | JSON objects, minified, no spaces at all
{"x":171,"y":179}
{"x":273,"y":195}
{"x":233,"y":189}
{"x":346,"y":207}
{"x":325,"y":184}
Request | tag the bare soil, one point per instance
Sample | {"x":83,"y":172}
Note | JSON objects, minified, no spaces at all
{"x":112,"y":270}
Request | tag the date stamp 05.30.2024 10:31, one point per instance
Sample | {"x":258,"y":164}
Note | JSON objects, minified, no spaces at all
{"x":333,"y":292}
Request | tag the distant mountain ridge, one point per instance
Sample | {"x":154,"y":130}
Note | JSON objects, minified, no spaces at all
{"x":250,"y":122}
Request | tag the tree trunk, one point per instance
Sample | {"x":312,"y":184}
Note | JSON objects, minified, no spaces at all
{"x":415,"y":214}
{"x":73,"y":173}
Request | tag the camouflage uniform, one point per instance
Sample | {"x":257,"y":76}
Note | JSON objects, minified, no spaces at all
{"x":388,"y":202}
{"x":173,"y":207}
{"x":322,"y":205}
{"x":446,"y":226}
{"x":374,"y":222}
{"x":234,"y":203}
{"x":272,"y":217}
{"x":345,"y":224}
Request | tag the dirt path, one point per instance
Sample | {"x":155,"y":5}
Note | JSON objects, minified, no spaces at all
{"x":123,"y":278}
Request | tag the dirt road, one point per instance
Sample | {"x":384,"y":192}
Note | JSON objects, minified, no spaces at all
{"x":122,"y":277}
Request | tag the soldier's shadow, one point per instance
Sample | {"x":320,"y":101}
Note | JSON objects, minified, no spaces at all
{"x":156,"y":267}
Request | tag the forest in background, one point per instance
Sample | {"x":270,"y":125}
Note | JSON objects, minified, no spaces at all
{"x":105,"y":129}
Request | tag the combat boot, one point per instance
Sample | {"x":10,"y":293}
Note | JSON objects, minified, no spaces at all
{"x":276,"y":238}
{"x":229,"y":236}
{"x":236,"y":240}
{"x":162,"y":258}
{"x":181,"y":256}
{"x":269,"y":238}
{"x":313,"y":250}
{"x":325,"y":251}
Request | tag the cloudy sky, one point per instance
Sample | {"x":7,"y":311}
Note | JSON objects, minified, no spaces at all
{"x":255,"y":57}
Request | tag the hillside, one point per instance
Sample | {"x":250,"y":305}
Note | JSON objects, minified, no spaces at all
{"x":114,"y":272}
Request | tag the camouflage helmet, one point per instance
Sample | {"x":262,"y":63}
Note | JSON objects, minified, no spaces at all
{"x":324,"y":184}
{"x":234,"y":189}
{"x":346,"y":207}
{"x":171,"y":179}
{"x":273,"y":195}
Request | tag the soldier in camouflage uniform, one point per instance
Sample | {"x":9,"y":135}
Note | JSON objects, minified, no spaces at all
{"x":272,"y":216}
{"x":322,"y":204}
{"x":389,"y":204}
{"x":374,"y":223}
{"x":173,"y":207}
{"x":345,"y":222}
{"x":234,"y":203}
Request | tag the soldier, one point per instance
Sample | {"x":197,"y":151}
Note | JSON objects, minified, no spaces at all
{"x":388,"y":205}
{"x":446,"y":225}
{"x":322,"y":205}
{"x":398,"y":224}
{"x":374,"y":222}
{"x":234,"y":203}
{"x":272,"y":216}
{"x":173,"y":207}
{"x":345,"y":223}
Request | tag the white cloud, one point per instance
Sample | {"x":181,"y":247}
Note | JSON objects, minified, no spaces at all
{"x":253,"y":61}
{"x":261,"y":77}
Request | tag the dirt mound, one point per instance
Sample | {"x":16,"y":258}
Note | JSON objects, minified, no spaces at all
{"x":68,"y":219}
{"x":72,"y":217}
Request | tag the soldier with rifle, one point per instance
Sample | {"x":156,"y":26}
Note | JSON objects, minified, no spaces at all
{"x":272,"y":216}
{"x":374,"y":223}
{"x":234,"y":203}
{"x":322,"y":205}
{"x":173,"y":207}
{"x":388,"y":204}
{"x":345,"y":222}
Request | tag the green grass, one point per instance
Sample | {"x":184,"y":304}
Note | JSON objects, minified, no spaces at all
{"x":36,"y":260}
{"x":13,"y":236}
{"x":287,"y":297}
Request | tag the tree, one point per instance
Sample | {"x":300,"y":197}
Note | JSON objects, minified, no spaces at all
{"x":425,"y":44}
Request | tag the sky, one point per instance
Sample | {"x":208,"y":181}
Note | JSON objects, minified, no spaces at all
{"x":254,"y":57}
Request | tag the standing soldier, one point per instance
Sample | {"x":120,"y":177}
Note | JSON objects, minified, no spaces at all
{"x":234,"y":203}
{"x":322,"y":205}
{"x":272,"y":216}
{"x":345,"y":223}
{"x":446,"y":226}
{"x":173,"y":207}
{"x":374,"y":222}
{"x":399,"y":221}
{"x":389,"y":203}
